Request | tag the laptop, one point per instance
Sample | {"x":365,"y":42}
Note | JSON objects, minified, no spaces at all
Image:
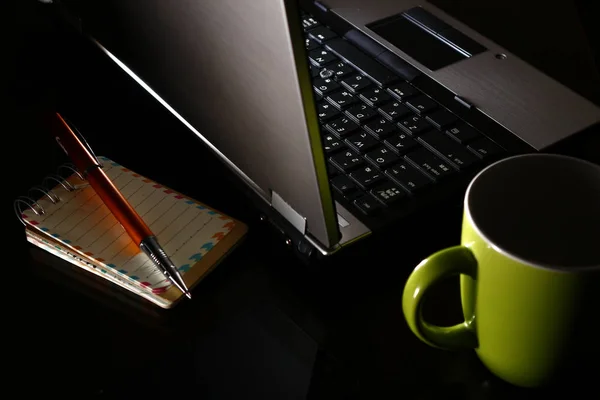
{"x":343,"y":118}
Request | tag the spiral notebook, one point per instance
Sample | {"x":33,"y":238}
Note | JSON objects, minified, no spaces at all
{"x":69,"y":220}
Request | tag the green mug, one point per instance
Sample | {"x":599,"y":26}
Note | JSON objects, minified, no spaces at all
{"x":529,"y":266}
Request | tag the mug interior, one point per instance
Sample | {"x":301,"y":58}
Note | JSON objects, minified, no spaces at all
{"x":542,"y":209}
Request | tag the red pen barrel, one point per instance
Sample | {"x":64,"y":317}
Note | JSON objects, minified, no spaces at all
{"x":87,"y":164}
{"x":118,"y":205}
{"x":80,"y":156}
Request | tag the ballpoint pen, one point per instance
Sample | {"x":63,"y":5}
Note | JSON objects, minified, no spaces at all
{"x":85,"y":161}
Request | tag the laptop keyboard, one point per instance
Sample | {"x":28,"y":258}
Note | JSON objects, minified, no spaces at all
{"x":384,"y":140}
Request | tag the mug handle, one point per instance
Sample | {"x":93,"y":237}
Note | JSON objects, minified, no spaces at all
{"x":439,"y":266}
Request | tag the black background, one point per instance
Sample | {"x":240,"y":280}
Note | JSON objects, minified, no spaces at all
{"x":262,"y":325}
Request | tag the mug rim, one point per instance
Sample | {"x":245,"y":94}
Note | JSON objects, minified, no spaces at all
{"x":505,"y":252}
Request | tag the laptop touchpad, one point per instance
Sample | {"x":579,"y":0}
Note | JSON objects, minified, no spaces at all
{"x":425,"y":38}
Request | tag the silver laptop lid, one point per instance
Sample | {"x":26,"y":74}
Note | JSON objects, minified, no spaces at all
{"x":231,"y":72}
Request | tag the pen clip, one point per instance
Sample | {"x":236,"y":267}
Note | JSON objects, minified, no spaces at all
{"x":82,"y":138}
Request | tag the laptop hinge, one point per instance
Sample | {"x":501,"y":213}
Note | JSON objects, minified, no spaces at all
{"x":291,"y":215}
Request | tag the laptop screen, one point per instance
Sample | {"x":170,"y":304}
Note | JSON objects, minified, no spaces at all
{"x":548,"y":35}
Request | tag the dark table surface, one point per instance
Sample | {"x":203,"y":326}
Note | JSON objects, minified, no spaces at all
{"x":262,"y":325}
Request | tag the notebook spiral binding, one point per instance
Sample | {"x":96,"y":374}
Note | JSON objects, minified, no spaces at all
{"x":28,"y":201}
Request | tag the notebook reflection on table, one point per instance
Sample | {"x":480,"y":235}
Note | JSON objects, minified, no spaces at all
{"x":63,"y":274}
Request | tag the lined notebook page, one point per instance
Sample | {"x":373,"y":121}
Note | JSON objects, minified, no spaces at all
{"x":81,"y":221}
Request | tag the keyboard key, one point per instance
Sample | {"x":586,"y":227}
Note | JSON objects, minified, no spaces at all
{"x":399,"y":66}
{"x":346,"y":160}
{"x":441,"y":119}
{"x":394,"y":111}
{"x":322,"y":34}
{"x":449,"y":148}
{"x":375,"y":96}
{"x":321,"y":57}
{"x":341,"y":100}
{"x":326,"y":111}
{"x":401,"y":143}
{"x":343,"y":184}
{"x":325,"y":73}
{"x":363,"y":62}
{"x":354,"y":195}
{"x":408,"y":177}
{"x":309,"y":22}
{"x":366,"y":176}
{"x":402,"y":91}
{"x":311,"y":44}
{"x":332,"y":171}
{"x":360,"y":113}
{"x":325,"y":86}
{"x":331,"y":144}
{"x":431,"y":164}
{"x":341,"y":70}
{"x":361,"y":142}
{"x":363,"y":42}
{"x":341,"y":126}
{"x":414,"y":125}
{"x":382,"y":157}
{"x":485,"y":148}
{"x":463,"y":133}
{"x":381,"y":128}
{"x":421,"y":104}
{"x":367,"y":205}
{"x":314,"y":71}
{"x":356,"y":83}
{"x":387,"y":193}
